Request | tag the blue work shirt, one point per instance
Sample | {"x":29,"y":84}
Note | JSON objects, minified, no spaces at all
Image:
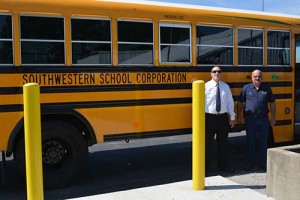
{"x":256,"y":100}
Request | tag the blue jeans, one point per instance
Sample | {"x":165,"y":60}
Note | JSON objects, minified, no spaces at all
{"x":257,"y":131}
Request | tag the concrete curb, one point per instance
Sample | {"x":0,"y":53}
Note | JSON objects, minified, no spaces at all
{"x":283,"y":177}
{"x":216,"y":187}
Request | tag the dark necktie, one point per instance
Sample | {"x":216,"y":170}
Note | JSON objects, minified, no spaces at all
{"x":218,"y":99}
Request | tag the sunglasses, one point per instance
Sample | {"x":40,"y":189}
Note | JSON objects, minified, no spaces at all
{"x":215,"y":71}
{"x":256,"y":76}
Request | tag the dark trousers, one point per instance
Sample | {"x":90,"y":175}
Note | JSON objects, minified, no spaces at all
{"x":257,"y":131}
{"x":216,"y":125}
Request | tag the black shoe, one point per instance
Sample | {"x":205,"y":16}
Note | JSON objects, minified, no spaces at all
{"x":249,"y":168}
{"x":226,"y":170}
{"x":263,"y":169}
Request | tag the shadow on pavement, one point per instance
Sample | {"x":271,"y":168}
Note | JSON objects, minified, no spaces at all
{"x":124,"y":169}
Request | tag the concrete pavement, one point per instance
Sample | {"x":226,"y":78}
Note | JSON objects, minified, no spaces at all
{"x":216,"y":187}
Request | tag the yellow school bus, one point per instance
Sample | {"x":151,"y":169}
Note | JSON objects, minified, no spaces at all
{"x":119,"y":69}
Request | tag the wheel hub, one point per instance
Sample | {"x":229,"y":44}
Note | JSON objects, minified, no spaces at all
{"x":53,"y":152}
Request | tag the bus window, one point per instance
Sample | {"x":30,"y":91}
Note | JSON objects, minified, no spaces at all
{"x":135,"y":42}
{"x":278,"y":48}
{"x":214,"y":45}
{"x":297,"y":85}
{"x":250,"y":47}
{"x":42,"y":40}
{"x":6,"y":41}
{"x":298,"y":49}
{"x":91,"y":41}
{"x":175,"y":43}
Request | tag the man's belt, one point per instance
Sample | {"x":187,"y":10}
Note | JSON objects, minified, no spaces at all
{"x":216,"y":114}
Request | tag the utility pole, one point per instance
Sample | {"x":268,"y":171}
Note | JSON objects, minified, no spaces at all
{"x":263,"y":5}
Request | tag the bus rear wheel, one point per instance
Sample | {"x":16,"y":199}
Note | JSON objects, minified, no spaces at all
{"x":64,"y":153}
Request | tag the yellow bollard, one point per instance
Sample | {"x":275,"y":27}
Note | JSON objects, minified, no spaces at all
{"x":198,"y":137}
{"x":33,"y":141}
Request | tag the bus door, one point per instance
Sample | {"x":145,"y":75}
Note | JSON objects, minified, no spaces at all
{"x":297,"y":86}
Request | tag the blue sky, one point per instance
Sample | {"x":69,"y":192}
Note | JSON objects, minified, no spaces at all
{"x":278,"y":6}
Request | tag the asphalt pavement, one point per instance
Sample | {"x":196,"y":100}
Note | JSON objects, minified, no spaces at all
{"x":147,"y":165}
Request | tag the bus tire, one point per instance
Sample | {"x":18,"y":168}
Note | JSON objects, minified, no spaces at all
{"x":64,"y":153}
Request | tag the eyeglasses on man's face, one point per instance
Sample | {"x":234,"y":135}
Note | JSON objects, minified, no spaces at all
{"x":258,"y":76}
{"x":216,"y":71}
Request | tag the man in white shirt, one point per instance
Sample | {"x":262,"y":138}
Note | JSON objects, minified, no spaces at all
{"x":219,"y":118}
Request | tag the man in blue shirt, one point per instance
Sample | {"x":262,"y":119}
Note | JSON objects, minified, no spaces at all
{"x":256,"y":97}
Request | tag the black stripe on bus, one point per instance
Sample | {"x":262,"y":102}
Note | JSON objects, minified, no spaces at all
{"x":11,"y":90}
{"x":106,"y":88}
{"x":283,"y":96}
{"x":241,"y":127}
{"x":283,"y":122}
{"x":117,"y":103}
{"x":103,"y":69}
{"x":100,"y":104}
{"x":272,"y":84}
{"x":251,"y":69}
{"x":148,"y":134}
{"x":277,"y":96}
{"x":11,"y":108}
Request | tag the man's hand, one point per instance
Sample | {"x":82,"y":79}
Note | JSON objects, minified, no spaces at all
{"x":239,"y":119}
{"x":231,"y":123}
{"x":273,"y":121}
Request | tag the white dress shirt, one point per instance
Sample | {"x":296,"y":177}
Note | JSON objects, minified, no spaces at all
{"x":227,"y":103}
